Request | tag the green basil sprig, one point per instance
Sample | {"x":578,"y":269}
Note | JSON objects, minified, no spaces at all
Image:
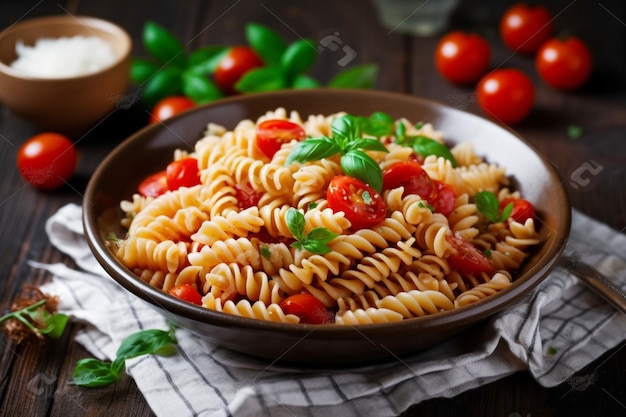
{"x":346,"y":140}
{"x":423,"y":145}
{"x":487,"y":204}
{"x":91,"y":372}
{"x":316,"y":241}
{"x":39,"y":320}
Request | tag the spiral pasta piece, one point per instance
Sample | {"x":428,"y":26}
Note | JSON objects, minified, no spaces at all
{"x":368,"y":316}
{"x":416,"y":303}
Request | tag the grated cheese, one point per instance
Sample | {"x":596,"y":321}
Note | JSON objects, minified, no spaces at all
{"x":63,"y":57}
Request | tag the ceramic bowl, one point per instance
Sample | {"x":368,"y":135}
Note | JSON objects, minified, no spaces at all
{"x":118,"y":176}
{"x":68,"y":105}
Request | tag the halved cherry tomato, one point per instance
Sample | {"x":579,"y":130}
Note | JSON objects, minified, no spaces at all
{"x":462,"y":58}
{"x":467,"y":259}
{"x":362,"y":205}
{"x":182,"y":173}
{"x":443,"y":198}
{"x":247,"y":196}
{"x":307,"y":307}
{"x":187,"y":292}
{"x":524,"y":28}
{"x":506,"y":95}
{"x":564,"y":64}
{"x":238,"y":61}
{"x":169,"y":106}
{"x":153,"y":185}
{"x":271,"y":134}
{"x":47,"y":160}
{"x":410,"y":175}
{"x":522,"y":209}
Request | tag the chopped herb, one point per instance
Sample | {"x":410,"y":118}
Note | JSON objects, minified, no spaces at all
{"x":265,"y":252}
{"x":574,"y":131}
{"x":552,"y":351}
{"x":312,"y":205}
{"x":488,"y":253}
{"x":367,"y":198}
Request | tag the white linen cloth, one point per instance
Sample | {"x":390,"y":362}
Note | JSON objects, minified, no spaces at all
{"x":553,"y":334}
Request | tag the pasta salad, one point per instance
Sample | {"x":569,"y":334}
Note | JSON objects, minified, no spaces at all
{"x":327,"y":219}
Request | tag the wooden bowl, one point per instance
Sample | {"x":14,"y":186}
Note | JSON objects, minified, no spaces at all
{"x":68,"y":105}
{"x":118,"y":176}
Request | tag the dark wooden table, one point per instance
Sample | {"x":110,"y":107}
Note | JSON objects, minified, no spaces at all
{"x":36,"y":380}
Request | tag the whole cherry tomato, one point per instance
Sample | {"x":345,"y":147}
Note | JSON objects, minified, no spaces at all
{"x":271,"y":134}
{"x":506,"y":95}
{"x":307,"y":307}
{"x":564,"y":64}
{"x":462,"y":58}
{"x":182,"y":173}
{"x":522,"y":209}
{"x":169,"y":106}
{"x":238,"y":61}
{"x":524,"y":28}
{"x":362,"y":205}
{"x":47,"y":160}
{"x":467,"y":259}
{"x":410,"y":175}
{"x":187,"y":292}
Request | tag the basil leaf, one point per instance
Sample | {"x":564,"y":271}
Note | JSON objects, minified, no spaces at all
{"x":360,"y":165}
{"x":312,"y":149}
{"x":144,"y":342}
{"x":166,"y":82}
{"x":315,"y":246}
{"x":304,"y":81}
{"x":298,"y":58}
{"x":400,"y":133}
{"x":261,"y":79}
{"x":200,"y":89}
{"x":356,"y":77}
{"x":322,"y":234}
{"x":91,"y":372}
{"x":55,"y":325}
{"x":295,"y":223}
{"x":378,"y":124}
{"x":204,"y":61}
{"x":142,"y":69}
{"x":487,"y":204}
{"x":267,"y":43}
{"x":425,"y":146}
{"x":345,"y":128}
{"x":163,"y":45}
{"x":368,"y":144}
{"x":506,"y":212}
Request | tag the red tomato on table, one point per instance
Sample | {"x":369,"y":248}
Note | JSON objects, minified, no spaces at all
{"x":506,"y":95}
{"x":524,"y":28}
{"x":462,"y":58}
{"x":271,"y":134}
{"x":564,"y":64}
{"x":307,"y":307}
{"x":47,"y":160}
{"x":467,"y":259}
{"x":238,"y":61}
{"x":170,"y":106}
{"x":362,"y":205}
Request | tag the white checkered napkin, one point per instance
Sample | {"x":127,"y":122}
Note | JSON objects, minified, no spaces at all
{"x":554,"y":333}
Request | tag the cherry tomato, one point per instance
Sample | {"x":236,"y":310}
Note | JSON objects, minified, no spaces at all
{"x":362,"y":205}
{"x":462,"y":58}
{"x":187,"y":292}
{"x":308,"y":308}
{"x":443,"y":198}
{"x":182,"y":173}
{"x":238,"y":61}
{"x":506,"y":95}
{"x":410,"y":175}
{"x":564,"y":64}
{"x":524,"y":28}
{"x":247,"y":196}
{"x":522,"y":209}
{"x":47,"y":160}
{"x":154,"y":185}
{"x":467,"y":259}
{"x":169,"y":106}
{"x":271,"y":134}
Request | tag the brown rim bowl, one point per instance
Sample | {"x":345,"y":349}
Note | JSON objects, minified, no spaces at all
{"x":119,"y":174}
{"x":68,"y":105}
